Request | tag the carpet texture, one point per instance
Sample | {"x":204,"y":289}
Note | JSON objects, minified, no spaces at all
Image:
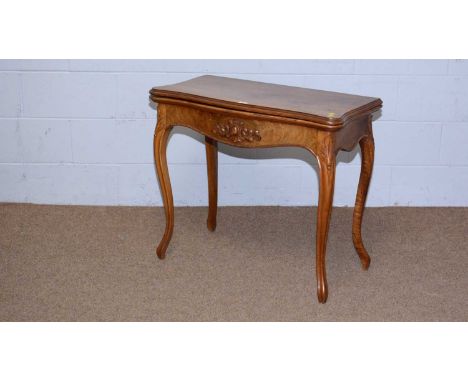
{"x":72,"y":263}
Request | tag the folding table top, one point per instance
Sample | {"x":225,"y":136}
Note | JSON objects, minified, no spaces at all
{"x":324,"y":107}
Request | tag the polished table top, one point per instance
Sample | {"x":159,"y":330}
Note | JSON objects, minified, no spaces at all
{"x":324,"y":107}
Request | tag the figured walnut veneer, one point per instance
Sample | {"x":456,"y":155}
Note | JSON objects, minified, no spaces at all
{"x":254,"y":114}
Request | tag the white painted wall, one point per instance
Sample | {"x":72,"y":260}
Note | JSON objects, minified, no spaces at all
{"x":80,"y":132}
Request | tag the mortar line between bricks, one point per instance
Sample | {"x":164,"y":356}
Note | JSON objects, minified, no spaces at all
{"x":235,"y":74}
{"x":84,"y":118}
{"x":442,"y":127}
{"x":115,"y":164}
{"x":21,"y":91}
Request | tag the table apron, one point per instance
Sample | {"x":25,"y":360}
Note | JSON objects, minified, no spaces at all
{"x":238,"y":128}
{"x":347,"y":138}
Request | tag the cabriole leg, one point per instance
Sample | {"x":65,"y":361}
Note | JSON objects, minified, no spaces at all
{"x":327,"y":167}
{"x":367,"y":153}
{"x":160,"y":143}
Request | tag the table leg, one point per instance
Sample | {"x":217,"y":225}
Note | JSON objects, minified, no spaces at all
{"x":160,"y":143}
{"x":327,"y":167}
{"x":211,"y":147}
{"x":367,"y":153}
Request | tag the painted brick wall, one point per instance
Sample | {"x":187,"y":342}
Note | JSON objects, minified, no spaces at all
{"x":80,"y":132}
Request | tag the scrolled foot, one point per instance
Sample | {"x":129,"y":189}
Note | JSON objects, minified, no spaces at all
{"x":161,"y":251}
{"x":365,"y":263}
{"x":322,"y":291}
{"x":211,"y":225}
{"x":365,"y":259}
{"x":361,"y":250}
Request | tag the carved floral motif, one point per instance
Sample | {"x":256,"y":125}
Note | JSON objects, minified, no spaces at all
{"x":236,"y":132}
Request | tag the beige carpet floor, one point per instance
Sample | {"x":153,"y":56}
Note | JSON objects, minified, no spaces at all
{"x":70,"y":263}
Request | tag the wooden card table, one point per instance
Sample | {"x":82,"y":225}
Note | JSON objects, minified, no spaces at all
{"x":254,"y":114}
